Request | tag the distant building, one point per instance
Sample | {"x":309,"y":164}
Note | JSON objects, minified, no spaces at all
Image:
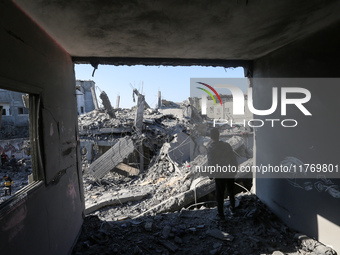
{"x":86,"y":96}
{"x":225,"y":111}
{"x":14,"y":113}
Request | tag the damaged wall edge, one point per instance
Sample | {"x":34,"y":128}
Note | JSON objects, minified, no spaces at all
{"x":49,"y":74}
{"x":118,"y":61}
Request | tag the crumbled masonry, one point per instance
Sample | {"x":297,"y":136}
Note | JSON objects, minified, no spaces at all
{"x":20,"y":177}
{"x":168,"y":208}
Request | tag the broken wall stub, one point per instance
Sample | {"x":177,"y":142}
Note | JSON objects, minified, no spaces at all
{"x":107,"y":104}
{"x":179,"y":150}
{"x":59,"y":191}
{"x":139,"y":112}
{"x":110,"y":159}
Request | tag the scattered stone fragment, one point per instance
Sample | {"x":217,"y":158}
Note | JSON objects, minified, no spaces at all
{"x":148,"y":226}
{"x":178,"y":240}
{"x":169,"y":245}
{"x":216,"y":233}
{"x":277,"y":253}
{"x":166,"y":232}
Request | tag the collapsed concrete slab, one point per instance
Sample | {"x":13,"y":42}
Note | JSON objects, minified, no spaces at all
{"x":179,"y":150}
{"x":110,"y":200}
{"x":183,"y":199}
{"x":101,"y":131}
{"x":126,"y":170}
{"x":110,"y":159}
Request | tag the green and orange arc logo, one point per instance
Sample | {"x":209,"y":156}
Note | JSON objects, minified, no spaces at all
{"x":209,"y":93}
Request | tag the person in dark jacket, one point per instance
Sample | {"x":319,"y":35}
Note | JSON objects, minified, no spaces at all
{"x":4,"y":158}
{"x":221,"y":153}
{"x":13,"y":162}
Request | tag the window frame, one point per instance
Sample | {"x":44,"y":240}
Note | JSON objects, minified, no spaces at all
{"x":35,"y":131}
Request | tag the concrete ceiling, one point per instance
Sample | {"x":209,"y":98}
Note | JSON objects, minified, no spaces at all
{"x":179,"y":29}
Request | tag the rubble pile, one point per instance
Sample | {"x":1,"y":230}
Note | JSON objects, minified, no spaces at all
{"x":254,"y":229}
{"x":153,"y":209}
{"x":19,"y":177}
{"x":169,"y":183}
{"x":11,"y":131}
{"x":166,"y":186}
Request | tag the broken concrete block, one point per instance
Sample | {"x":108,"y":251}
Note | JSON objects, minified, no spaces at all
{"x":110,"y":159}
{"x":139,"y":112}
{"x":148,"y":226}
{"x":166,"y":232}
{"x":107,"y":104}
{"x":277,"y":253}
{"x":146,"y":105}
{"x":179,"y":150}
{"x":183,"y":199}
{"x":218,"y":234}
{"x":178,"y":240}
{"x":126,"y":170}
{"x":109,"y":200}
{"x":169,"y":245}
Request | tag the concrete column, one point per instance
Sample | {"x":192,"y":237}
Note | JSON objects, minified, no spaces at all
{"x":117,"y":102}
{"x":159,"y":100}
{"x":107,"y":104}
{"x":94,"y":97}
{"x":139,"y":128}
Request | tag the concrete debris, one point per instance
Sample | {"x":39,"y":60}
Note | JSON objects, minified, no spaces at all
{"x":110,"y":159}
{"x":193,"y":232}
{"x":126,"y":170}
{"x":136,"y":92}
{"x":179,"y":150}
{"x":311,"y":246}
{"x":144,"y":211}
{"x":170,"y":145}
{"x":109,"y":199}
{"x":107,"y":104}
{"x":218,"y":234}
{"x":20,"y":177}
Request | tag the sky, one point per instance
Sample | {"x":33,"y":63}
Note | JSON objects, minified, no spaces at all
{"x":173,"y":82}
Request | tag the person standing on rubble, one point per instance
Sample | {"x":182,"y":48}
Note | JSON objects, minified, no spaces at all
{"x":8,"y":185}
{"x":13,"y":162}
{"x":221,"y":154}
{"x":4,"y":158}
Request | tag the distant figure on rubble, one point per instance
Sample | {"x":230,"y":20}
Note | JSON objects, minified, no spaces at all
{"x":13,"y":162}
{"x":8,"y":185}
{"x":4,"y":158}
{"x":221,"y":154}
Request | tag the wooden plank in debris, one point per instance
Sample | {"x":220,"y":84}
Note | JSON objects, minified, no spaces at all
{"x":110,"y":159}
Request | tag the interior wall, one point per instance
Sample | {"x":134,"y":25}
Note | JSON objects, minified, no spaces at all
{"x":47,"y":219}
{"x":314,"y":140}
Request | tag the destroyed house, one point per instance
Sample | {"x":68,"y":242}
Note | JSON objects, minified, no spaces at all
{"x":225,"y":111}
{"x":42,"y":40}
{"x":14,"y":112}
{"x":86,"y":96}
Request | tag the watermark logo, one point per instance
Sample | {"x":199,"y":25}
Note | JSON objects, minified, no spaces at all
{"x":238,"y":99}
{"x":278,"y":101}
